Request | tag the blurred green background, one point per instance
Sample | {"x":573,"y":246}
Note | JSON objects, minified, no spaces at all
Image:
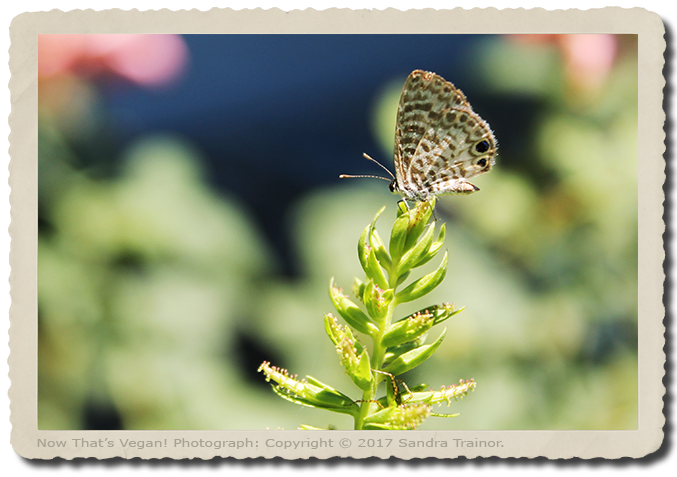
{"x":182,"y":241}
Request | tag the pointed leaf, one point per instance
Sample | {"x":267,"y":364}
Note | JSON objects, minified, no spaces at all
{"x":361,"y":376}
{"x":411,"y":258}
{"x":363,"y":248}
{"x":358,"y":289}
{"x":375,"y":272}
{"x":413,"y":358}
{"x":380,"y":250}
{"x":364,"y":245}
{"x":434,"y":248}
{"x":423,"y":285}
{"x":402,"y":278}
{"x":398,"y":236}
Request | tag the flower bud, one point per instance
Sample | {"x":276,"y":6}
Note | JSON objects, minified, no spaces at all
{"x":349,"y":311}
{"x":310,"y":392}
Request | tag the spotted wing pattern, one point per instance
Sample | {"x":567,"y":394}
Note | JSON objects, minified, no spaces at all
{"x":440,"y":141}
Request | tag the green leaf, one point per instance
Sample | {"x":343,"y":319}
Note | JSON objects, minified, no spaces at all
{"x":398,"y":236}
{"x":377,"y":427}
{"x":380,"y":250}
{"x":358,"y":289}
{"x":361,"y":376}
{"x":402,"y":207}
{"x":402,"y":278}
{"x":434,"y":248}
{"x":442,"y":234}
{"x":327,"y":399}
{"x":394,"y":352}
{"x":413,"y":358}
{"x":413,"y":256}
{"x":364,"y":245}
{"x":423,"y":285}
{"x":375,"y":272}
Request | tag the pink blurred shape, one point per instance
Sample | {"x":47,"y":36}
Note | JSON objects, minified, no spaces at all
{"x":147,"y":60}
{"x":588,"y":59}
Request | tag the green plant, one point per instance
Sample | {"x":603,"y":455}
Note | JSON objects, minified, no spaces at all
{"x":397,"y":347}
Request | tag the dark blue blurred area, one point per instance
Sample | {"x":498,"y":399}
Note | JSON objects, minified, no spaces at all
{"x":278,"y":115}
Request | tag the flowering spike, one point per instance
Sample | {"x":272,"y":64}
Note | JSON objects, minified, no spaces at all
{"x":398,"y":346}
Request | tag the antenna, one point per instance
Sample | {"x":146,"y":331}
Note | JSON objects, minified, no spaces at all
{"x":346,"y":176}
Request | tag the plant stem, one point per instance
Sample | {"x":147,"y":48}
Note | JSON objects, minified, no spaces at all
{"x":368,"y":397}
